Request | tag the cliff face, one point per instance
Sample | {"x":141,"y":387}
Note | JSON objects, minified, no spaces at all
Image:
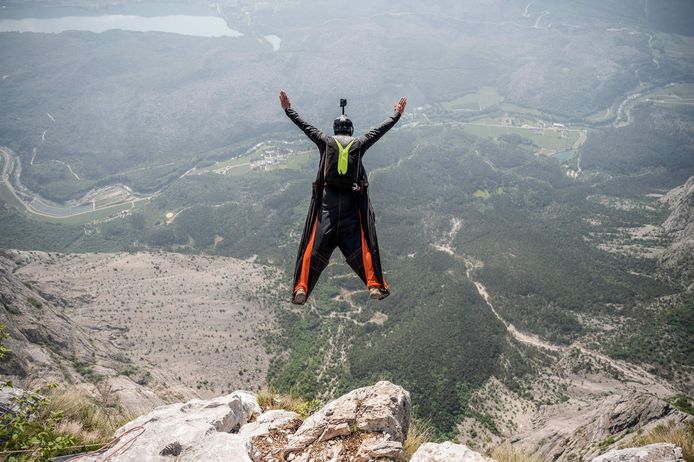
{"x":48,"y":347}
{"x":678,"y":259}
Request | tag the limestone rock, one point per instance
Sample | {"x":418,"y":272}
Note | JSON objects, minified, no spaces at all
{"x":376,"y":448}
{"x":447,"y":452}
{"x":267,"y":421}
{"x":381,"y":408}
{"x":579,"y":435}
{"x":660,"y":452}
{"x":197,"y":430}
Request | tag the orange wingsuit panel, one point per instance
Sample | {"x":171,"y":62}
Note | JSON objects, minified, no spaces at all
{"x":371,"y":280}
{"x":306,"y":261}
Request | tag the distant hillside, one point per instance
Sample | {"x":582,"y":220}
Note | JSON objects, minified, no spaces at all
{"x":48,"y":347}
{"x":189,"y":99}
{"x":203,"y":320}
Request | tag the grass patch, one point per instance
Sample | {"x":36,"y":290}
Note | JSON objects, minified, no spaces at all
{"x":482,"y":194}
{"x":83,"y":418}
{"x":57,"y":422}
{"x":684,"y":404}
{"x":419,"y":433}
{"x":480,"y":100}
{"x":507,"y":453}
{"x":679,"y":434}
{"x":602,"y":116}
{"x":550,"y":139}
{"x":289,"y":402}
{"x":36,"y":303}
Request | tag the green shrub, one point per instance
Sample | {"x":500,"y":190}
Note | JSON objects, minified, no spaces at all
{"x":35,"y":302}
{"x":3,"y":349}
{"x":27,"y":429}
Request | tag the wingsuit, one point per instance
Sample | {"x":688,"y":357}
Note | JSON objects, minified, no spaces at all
{"x":340,"y":213}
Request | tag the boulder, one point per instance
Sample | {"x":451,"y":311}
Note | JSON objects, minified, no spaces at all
{"x":196,"y":430}
{"x":660,"y":452}
{"x":382,"y":408}
{"x":447,"y":452}
{"x":376,"y":448}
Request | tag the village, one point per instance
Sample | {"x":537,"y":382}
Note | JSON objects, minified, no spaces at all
{"x":270,"y":156}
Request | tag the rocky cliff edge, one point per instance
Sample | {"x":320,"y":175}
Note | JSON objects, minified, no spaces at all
{"x":368,"y":424}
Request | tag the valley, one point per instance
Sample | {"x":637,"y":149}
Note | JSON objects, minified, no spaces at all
{"x":533,"y":210}
{"x":202,"y":319}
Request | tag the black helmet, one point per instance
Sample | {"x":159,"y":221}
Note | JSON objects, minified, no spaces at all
{"x":343,"y":125}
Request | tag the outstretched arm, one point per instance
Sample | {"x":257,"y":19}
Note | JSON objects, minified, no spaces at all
{"x":312,"y":132}
{"x":368,"y":139}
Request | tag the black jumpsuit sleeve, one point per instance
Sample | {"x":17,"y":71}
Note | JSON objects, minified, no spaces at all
{"x":368,"y":139}
{"x":314,"y":134}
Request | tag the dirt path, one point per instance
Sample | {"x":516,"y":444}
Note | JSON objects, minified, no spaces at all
{"x":632,"y":373}
{"x":526,"y":14}
{"x":72,"y":172}
{"x":446,"y":245}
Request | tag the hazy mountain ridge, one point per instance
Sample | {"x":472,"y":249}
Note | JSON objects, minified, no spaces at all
{"x":195,"y":99}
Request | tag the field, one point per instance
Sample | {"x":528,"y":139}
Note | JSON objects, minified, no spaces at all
{"x":601,"y":116}
{"x":478,"y":101}
{"x":546,"y":139}
{"x":673,"y":95}
{"x":104,"y":213}
{"x":516,"y":109}
{"x":266,"y":157}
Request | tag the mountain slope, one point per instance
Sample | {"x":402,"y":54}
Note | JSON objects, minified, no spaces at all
{"x":48,"y":347}
{"x":201,"y":319}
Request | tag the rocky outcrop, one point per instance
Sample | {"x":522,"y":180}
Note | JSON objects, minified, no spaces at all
{"x":588,"y":433}
{"x":214,"y":430}
{"x":661,"y":452}
{"x":678,"y":259}
{"x":383,"y":408}
{"x":449,"y":452}
{"x":367,"y":424}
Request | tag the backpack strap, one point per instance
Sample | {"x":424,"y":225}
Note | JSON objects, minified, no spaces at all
{"x":343,"y":157}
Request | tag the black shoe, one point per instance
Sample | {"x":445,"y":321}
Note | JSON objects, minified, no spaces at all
{"x":376,"y":294}
{"x":299,"y":297}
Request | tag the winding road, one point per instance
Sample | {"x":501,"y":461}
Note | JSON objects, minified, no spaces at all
{"x":113,"y":196}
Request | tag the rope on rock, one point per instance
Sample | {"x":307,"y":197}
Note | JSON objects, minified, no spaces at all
{"x":113,"y":444}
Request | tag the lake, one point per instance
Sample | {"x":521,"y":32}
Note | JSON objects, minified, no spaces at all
{"x":159,"y":17}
